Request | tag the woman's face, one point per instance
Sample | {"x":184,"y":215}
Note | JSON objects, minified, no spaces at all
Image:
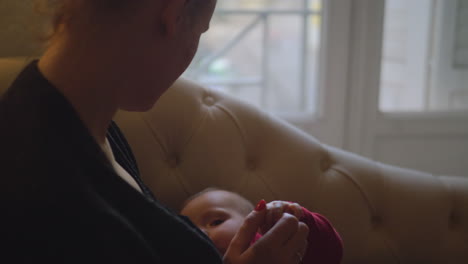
{"x":196,"y":23}
{"x":160,"y":59}
{"x":217,"y":214}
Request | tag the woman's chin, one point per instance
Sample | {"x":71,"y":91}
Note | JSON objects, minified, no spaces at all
{"x":138,"y":108}
{"x":140,"y":104}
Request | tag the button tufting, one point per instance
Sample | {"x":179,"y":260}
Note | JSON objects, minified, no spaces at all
{"x":325,"y":164}
{"x":251,"y":164}
{"x":454,"y":219}
{"x":173,"y":162}
{"x":376,"y":220}
{"x":209,"y":100}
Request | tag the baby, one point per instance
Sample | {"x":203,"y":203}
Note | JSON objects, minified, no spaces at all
{"x":221,"y":213}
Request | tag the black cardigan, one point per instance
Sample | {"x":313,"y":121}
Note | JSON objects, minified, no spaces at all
{"x":62,"y":202}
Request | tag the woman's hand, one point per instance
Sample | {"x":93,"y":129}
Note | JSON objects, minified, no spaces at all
{"x":284,"y":243}
{"x":276,"y":209}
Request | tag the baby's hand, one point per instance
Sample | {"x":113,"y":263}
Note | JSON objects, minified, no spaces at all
{"x":276,"y":209}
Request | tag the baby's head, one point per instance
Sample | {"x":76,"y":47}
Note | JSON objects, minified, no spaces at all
{"x":218,"y":213}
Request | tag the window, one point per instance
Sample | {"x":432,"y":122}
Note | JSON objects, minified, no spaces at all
{"x":265,"y":52}
{"x":425,"y":56}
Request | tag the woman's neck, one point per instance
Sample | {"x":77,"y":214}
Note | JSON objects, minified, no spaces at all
{"x":85,"y":83}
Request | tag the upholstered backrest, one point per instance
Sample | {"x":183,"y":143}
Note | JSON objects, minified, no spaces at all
{"x":9,"y":68}
{"x":195,"y":138}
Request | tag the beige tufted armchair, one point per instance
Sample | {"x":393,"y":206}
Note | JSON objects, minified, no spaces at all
{"x":195,"y":138}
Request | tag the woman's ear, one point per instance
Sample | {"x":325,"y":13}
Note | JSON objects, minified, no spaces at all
{"x":172,"y":14}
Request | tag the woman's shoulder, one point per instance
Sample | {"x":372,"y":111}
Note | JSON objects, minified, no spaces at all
{"x":39,"y":131}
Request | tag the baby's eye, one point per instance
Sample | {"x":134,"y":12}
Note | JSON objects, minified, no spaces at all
{"x":217,"y":222}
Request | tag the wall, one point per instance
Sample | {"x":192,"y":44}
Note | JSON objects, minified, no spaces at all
{"x":20,"y":28}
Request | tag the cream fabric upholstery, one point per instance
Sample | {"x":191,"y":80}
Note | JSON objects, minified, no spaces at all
{"x":9,"y":68}
{"x":195,"y":138}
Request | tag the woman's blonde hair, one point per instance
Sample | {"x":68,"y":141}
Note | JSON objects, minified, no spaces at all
{"x":72,"y":12}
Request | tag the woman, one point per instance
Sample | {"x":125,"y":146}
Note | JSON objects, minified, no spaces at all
{"x":70,"y":189}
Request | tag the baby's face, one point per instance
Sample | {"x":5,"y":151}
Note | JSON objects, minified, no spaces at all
{"x":217,"y":214}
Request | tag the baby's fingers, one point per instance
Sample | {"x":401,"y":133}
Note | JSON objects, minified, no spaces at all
{"x":295,"y":209}
{"x":275,"y":211}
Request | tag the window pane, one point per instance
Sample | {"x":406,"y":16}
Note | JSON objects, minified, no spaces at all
{"x":263,"y":51}
{"x":424,"y":62}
